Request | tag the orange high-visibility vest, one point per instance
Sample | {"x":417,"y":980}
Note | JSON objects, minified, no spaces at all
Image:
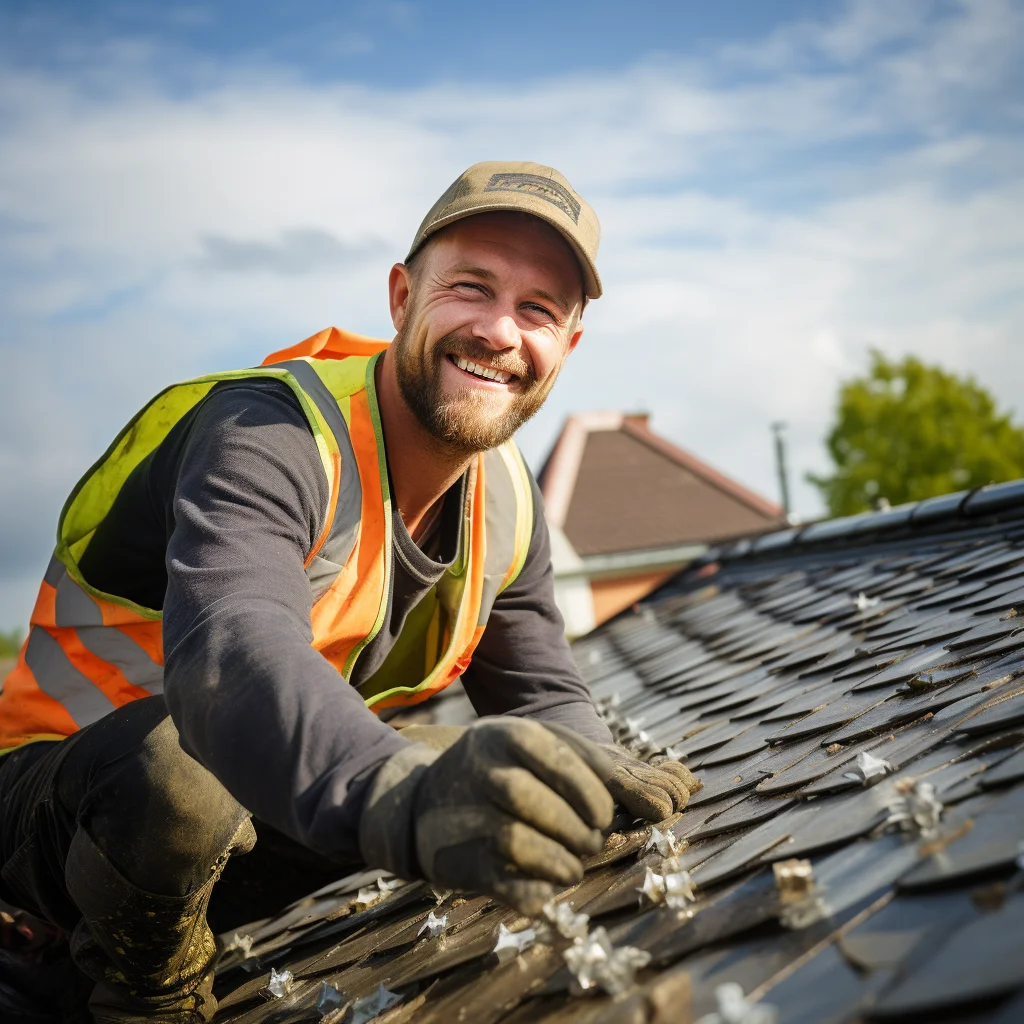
{"x":88,"y":652}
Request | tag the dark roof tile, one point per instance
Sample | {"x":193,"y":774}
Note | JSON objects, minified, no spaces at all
{"x":775,"y":665}
{"x":994,"y":498}
{"x":1006,"y":772}
{"x":934,"y":510}
{"x":980,"y":960}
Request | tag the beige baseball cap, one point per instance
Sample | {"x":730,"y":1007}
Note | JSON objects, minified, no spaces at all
{"x":525,"y":188}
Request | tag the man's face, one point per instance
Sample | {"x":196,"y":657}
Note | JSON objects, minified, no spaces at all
{"x":485,"y":321}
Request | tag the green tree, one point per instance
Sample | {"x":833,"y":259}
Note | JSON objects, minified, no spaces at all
{"x":10,"y":643}
{"x":908,"y":431}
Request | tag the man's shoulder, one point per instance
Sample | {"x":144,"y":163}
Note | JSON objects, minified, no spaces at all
{"x":250,"y":402}
{"x":246,"y":421}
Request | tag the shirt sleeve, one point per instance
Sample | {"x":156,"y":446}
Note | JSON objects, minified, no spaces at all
{"x":252,"y":700}
{"x":522,"y":665}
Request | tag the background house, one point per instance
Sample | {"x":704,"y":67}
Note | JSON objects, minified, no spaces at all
{"x":626,"y":509}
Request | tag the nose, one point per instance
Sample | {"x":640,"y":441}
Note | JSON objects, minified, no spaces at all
{"x":500,"y":334}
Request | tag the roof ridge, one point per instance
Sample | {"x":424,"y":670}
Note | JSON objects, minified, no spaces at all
{"x":943,"y":510}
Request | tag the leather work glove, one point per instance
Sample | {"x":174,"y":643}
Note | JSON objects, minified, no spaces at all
{"x":652,"y":790}
{"x":507,"y":810}
{"x":437,"y":737}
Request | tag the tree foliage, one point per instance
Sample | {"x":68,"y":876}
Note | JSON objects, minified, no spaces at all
{"x":908,"y":431}
{"x":10,"y":643}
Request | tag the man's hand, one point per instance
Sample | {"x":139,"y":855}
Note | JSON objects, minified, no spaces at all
{"x":650,"y":790}
{"x":437,"y":737}
{"x":507,"y":810}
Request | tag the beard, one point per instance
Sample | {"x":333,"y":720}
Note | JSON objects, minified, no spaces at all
{"x":477,"y":419}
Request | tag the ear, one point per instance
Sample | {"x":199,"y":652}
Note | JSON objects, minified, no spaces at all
{"x":399,"y":290}
{"x":575,"y":336}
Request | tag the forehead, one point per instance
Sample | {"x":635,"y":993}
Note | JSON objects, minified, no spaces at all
{"x":507,"y":242}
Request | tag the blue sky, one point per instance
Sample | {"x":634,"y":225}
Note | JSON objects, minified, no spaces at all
{"x":399,"y":43}
{"x":781,"y":187}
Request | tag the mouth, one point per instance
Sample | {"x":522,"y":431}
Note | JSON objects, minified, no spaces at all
{"x":479,"y":372}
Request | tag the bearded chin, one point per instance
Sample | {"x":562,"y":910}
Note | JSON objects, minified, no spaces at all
{"x":465,"y":424}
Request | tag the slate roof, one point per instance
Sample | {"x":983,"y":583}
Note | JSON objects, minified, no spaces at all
{"x":772,"y":667}
{"x":612,"y":485}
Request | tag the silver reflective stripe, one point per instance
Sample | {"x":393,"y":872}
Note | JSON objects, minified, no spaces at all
{"x":340,"y":542}
{"x":488,"y":593}
{"x":341,"y":536}
{"x":57,"y":677}
{"x":123,"y":652}
{"x":500,"y":515}
{"x":55,"y":571}
{"x":500,"y":524}
{"x":321,"y":573}
{"x":73,"y":606}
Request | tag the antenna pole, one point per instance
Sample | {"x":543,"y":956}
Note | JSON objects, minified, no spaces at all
{"x":780,"y":465}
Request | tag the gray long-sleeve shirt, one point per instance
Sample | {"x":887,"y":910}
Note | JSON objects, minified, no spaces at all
{"x":214,"y":528}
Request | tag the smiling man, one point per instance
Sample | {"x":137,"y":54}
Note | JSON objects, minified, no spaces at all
{"x":262,"y":562}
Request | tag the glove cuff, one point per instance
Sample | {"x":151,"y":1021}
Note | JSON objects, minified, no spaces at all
{"x":386,"y":834}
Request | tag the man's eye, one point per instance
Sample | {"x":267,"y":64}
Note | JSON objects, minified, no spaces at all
{"x":540,"y":309}
{"x":469,"y":284}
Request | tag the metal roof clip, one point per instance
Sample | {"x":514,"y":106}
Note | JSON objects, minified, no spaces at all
{"x":674,"y":889}
{"x":511,"y":944}
{"x":801,"y":903}
{"x":733,"y":1008}
{"x":915,"y":809}
{"x":565,"y":920}
{"x":242,"y":943}
{"x":368,"y":1007}
{"x":869,"y":767}
{"x":434,"y":926}
{"x":665,"y":843}
{"x":280,"y":983}
{"x":596,"y":963}
{"x":328,"y":998}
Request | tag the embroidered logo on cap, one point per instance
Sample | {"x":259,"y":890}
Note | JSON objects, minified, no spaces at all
{"x":539,"y":186}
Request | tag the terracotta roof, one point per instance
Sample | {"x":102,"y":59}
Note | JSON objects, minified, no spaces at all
{"x":612,"y":485}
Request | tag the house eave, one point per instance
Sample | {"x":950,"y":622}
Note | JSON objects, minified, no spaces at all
{"x":622,"y":563}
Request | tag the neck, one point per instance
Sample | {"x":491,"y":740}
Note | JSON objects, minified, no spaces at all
{"x":421,"y":468}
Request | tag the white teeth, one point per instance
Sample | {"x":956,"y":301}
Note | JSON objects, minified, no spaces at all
{"x":482,"y":371}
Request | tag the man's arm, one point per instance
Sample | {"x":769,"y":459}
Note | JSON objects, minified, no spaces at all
{"x":522,"y":665}
{"x":252,"y":700}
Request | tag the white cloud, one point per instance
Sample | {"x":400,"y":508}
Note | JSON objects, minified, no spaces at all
{"x":768,"y":215}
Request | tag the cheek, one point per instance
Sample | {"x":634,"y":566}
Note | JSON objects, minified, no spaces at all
{"x":442,"y":319}
{"x":424,"y":336}
{"x":547,"y":353}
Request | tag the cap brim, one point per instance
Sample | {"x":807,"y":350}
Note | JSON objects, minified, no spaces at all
{"x":591,"y":279}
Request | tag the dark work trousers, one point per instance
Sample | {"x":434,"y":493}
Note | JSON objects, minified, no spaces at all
{"x":159,"y":818}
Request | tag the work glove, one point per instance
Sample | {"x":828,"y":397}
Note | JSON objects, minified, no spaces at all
{"x":437,"y":737}
{"x":507,"y":810}
{"x":652,"y":790}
